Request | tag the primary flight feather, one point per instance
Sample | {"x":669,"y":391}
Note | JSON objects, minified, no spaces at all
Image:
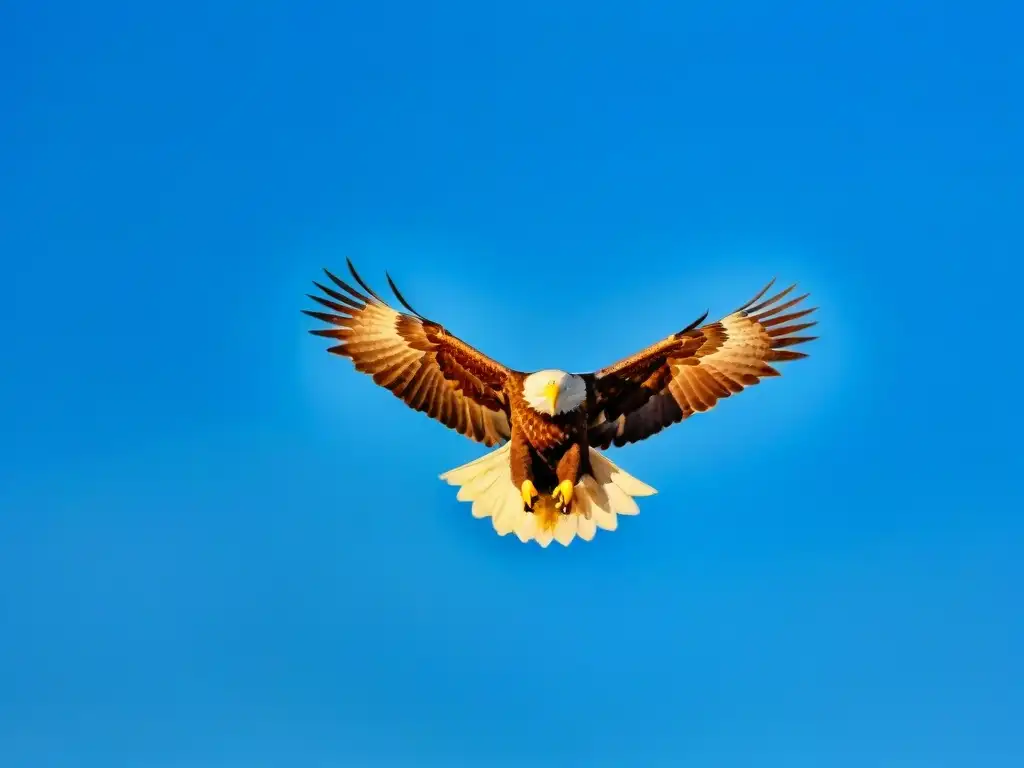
{"x":549,"y":481}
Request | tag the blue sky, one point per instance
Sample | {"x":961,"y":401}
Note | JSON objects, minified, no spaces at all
{"x":221,"y":547}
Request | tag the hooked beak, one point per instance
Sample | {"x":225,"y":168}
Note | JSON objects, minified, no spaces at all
{"x":551,"y":392}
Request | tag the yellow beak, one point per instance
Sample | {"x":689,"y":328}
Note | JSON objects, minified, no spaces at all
{"x":551,"y":394}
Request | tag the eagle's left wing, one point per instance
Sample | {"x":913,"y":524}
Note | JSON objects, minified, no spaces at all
{"x":691,"y":370}
{"x":416,"y":359}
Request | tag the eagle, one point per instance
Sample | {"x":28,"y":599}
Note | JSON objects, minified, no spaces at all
{"x":548,"y":479}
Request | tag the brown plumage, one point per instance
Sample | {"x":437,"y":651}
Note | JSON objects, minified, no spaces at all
{"x":416,"y":359}
{"x":433,"y":371}
{"x":693,"y":369}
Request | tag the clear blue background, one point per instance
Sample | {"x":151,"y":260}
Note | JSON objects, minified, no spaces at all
{"x":219,"y":546}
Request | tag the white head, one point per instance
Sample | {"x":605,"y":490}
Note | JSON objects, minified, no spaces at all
{"x":551,"y":391}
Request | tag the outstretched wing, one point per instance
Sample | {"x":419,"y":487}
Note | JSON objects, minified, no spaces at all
{"x":416,"y":359}
{"x":691,"y":370}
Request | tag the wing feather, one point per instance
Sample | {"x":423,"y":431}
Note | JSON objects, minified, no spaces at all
{"x":690,"y":371}
{"x":416,"y":359}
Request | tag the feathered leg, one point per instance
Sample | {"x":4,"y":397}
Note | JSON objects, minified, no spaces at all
{"x":569,"y":470}
{"x":521,"y":464}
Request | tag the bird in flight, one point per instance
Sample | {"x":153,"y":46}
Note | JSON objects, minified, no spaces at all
{"x":549,"y":480}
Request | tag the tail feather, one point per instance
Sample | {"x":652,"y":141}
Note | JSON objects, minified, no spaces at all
{"x":598,"y":499}
{"x":493,"y":460}
{"x":476,"y":488}
{"x":606,"y":472}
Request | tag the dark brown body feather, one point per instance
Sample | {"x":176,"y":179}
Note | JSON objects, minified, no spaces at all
{"x":545,"y":449}
{"x":437,"y":373}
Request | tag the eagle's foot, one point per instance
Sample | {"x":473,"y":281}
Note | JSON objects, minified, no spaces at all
{"x":529,"y":494}
{"x":563,"y":496}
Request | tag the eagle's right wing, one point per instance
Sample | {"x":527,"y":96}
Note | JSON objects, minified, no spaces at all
{"x":416,"y":359}
{"x":691,"y":370}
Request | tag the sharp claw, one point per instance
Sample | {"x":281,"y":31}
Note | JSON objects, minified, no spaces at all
{"x":563,"y":497}
{"x":529,"y":495}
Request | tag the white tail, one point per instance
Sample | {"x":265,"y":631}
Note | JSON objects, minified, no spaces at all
{"x":597,"y":501}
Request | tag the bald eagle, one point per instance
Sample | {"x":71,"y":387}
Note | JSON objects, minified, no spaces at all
{"x":548,"y":480}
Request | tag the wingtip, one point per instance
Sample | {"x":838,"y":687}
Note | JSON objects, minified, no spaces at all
{"x":401,"y":299}
{"x":352,"y":271}
{"x":365,"y":286}
{"x":746,"y":305}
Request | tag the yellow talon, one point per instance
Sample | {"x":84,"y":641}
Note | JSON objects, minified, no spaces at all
{"x":529,"y":493}
{"x":563,"y":495}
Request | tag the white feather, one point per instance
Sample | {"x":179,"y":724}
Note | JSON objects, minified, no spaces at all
{"x":598,"y":500}
{"x":572,"y":391}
